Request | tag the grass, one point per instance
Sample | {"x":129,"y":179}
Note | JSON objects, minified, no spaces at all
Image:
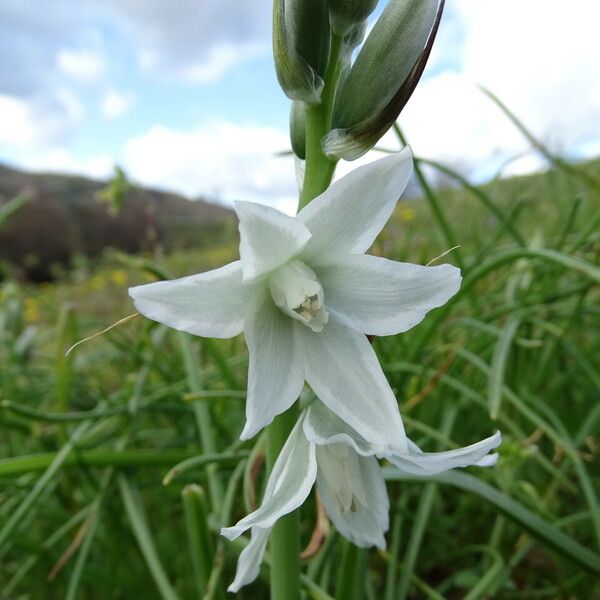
{"x":87,"y":440}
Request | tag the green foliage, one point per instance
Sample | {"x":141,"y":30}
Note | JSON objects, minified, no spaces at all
{"x":115,"y":193}
{"x":87,"y":441}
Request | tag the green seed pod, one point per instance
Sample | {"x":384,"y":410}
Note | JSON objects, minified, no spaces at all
{"x":383,"y":77}
{"x":344,"y":14}
{"x":301,"y":47}
{"x":298,"y":128}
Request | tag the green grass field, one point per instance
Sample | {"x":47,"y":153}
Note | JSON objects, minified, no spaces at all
{"x":87,"y":440}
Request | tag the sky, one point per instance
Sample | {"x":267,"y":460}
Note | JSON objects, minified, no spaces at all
{"x":183,"y":95}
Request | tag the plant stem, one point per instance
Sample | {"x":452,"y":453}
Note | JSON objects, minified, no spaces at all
{"x":285,"y":537}
{"x":319,"y":168}
{"x":346,"y":586}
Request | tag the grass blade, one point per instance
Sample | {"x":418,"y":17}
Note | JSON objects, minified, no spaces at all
{"x":137,"y":517}
{"x":498,"y":368}
{"x":538,"y":527}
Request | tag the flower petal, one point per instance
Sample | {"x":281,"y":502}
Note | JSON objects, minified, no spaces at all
{"x":289,"y":484}
{"x":383,"y":297}
{"x":211,"y":304}
{"x":248,"y":565}
{"x":276,"y":370}
{"x":268,"y":238}
{"x":343,"y":370}
{"x":422,"y":463}
{"x":366,"y":525}
{"x":323,"y":427}
{"x":349,"y":215}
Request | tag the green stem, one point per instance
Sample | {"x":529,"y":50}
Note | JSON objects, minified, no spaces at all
{"x":203,"y":415}
{"x":319,"y":168}
{"x":346,"y":581}
{"x":107,"y":458}
{"x":285,"y":537}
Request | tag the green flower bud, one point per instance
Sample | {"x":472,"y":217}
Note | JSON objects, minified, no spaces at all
{"x":344,"y":14}
{"x":298,"y":128}
{"x":383,"y":77}
{"x":301,"y":47}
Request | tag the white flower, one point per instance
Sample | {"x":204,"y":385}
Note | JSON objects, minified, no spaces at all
{"x":323,"y":448}
{"x":304,"y":294}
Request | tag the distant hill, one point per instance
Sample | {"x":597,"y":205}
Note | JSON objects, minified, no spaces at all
{"x":65,"y":216}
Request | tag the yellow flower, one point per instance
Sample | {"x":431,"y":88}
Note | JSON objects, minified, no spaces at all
{"x":31,"y":311}
{"x":406,"y":214}
{"x":118,"y":277}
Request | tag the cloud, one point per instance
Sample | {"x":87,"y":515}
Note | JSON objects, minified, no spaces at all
{"x":192,"y":40}
{"x":83,"y":66}
{"x":115,"y":103}
{"x":219,"y":60}
{"x":218,"y":160}
{"x":40,"y":120}
{"x":61,"y":160}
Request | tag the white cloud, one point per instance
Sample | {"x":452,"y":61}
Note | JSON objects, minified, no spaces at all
{"x":218,"y":160}
{"x":192,"y":40}
{"x":115,"y":103}
{"x":61,"y":160}
{"x":220,"y":59}
{"x":83,"y":65}
{"x":26,"y":123}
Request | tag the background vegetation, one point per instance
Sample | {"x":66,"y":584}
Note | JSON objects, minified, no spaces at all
{"x":87,"y":440}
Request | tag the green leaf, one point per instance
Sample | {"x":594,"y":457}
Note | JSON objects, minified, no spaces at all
{"x":141,"y":530}
{"x":529,"y":521}
{"x":11,"y":207}
{"x":496,"y":379}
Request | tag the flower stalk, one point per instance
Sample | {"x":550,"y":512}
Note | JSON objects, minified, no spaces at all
{"x":319,"y":168}
{"x":285,"y":536}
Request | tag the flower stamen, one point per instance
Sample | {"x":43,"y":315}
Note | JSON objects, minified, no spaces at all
{"x":296,"y":290}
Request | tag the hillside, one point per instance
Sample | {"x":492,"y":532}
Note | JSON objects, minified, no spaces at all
{"x":65,"y":216}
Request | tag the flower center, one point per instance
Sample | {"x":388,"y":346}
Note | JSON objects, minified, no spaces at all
{"x":296,"y":290}
{"x":339,"y":465}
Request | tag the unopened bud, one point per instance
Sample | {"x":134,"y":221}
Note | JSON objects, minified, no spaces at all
{"x":301,"y":47}
{"x":383,"y":77}
{"x":298,"y":128}
{"x":345,"y":14}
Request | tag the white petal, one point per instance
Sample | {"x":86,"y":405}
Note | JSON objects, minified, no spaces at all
{"x":211,"y":304}
{"x":289,"y":484}
{"x":324,"y":427}
{"x":383,"y":297}
{"x":349,"y":215}
{"x":343,"y":370}
{"x":268,"y":238}
{"x":248,"y":565}
{"x":430,"y":463}
{"x":366,"y":525}
{"x":276,"y":370}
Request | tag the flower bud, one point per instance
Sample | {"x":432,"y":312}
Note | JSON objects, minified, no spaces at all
{"x":383,"y":77}
{"x":344,"y":14}
{"x":298,"y":128}
{"x":301,"y":47}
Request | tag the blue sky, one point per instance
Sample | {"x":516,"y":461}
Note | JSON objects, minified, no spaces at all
{"x":183,"y":94}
